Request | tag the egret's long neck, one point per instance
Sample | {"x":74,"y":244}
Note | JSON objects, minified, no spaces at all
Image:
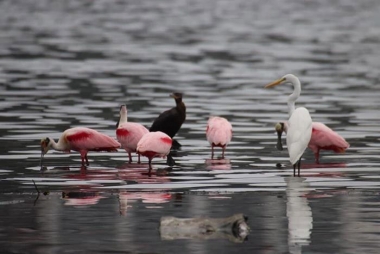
{"x":123,"y":117}
{"x":294,"y":96}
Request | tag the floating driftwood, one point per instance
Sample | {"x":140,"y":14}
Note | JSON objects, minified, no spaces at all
{"x":233,"y":228}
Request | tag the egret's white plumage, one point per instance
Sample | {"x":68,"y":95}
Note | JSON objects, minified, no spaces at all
{"x":299,"y":133}
{"x":299,"y":124}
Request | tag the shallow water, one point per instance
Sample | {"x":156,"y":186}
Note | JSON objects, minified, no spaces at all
{"x":72,"y":63}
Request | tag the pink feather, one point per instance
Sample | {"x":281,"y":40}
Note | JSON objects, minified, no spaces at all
{"x":324,"y":138}
{"x":129,"y":134}
{"x":154,"y":144}
{"x":218,"y":133}
{"x":86,"y":139}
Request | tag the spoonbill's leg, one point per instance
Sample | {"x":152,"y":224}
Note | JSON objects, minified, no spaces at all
{"x":130,"y":157}
{"x":150,"y":166}
{"x":87,"y":163}
{"x":316,"y":155}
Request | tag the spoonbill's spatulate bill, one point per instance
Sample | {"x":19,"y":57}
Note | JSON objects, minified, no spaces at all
{"x":322,"y":138}
{"x":129,"y":133}
{"x":218,"y":133}
{"x":82,"y":140}
{"x":299,"y":123}
{"x":154,"y":144}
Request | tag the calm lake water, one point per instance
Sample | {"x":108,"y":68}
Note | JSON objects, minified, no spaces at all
{"x":73,"y":63}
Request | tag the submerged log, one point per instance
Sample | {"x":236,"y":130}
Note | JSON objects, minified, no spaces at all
{"x":233,"y":228}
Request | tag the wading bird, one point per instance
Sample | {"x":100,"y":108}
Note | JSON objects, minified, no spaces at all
{"x":128,"y":133}
{"x":82,"y":140}
{"x":322,"y":138}
{"x":154,"y":144}
{"x":170,"y":121}
{"x":299,"y":123}
{"x":218,"y":133}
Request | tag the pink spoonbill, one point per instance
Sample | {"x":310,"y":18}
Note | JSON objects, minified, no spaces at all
{"x":154,"y":144}
{"x":218,"y":133}
{"x":129,"y":133}
{"x":82,"y":140}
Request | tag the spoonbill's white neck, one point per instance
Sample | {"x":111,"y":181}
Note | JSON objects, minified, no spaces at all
{"x":60,"y":146}
{"x":296,"y":93}
{"x":123,"y":115}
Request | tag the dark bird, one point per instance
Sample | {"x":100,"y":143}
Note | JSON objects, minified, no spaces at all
{"x":170,"y":121}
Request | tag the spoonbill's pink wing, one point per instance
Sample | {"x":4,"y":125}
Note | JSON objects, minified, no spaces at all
{"x":219,"y":131}
{"x":325,"y":138}
{"x":156,"y":142}
{"x":81,"y":138}
{"x":129,"y":134}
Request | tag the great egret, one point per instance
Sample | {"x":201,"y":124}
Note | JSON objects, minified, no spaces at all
{"x":299,"y":123}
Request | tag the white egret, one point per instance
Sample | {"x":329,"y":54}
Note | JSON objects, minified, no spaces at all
{"x":299,"y":123}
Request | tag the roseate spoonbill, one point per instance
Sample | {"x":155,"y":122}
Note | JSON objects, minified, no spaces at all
{"x":154,"y":144}
{"x":218,"y":133}
{"x":170,"y":121}
{"x":128,"y":133}
{"x":322,"y":138}
{"x":82,"y":140}
{"x":299,"y":123}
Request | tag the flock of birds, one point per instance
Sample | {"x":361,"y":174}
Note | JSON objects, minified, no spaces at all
{"x":158,"y":141}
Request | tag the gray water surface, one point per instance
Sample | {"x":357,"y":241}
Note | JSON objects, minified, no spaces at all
{"x":73,"y":63}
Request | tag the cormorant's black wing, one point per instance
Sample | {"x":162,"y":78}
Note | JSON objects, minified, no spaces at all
{"x":168,"y":122}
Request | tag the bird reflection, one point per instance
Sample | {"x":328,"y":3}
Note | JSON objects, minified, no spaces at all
{"x":137,"y":173}
{"x":299,"y":214}
{"x":330,"y":169}
{"x":125,"y":198}
{"x":218,"y":164}
{"x":81,"y":198}
{"x":126,"y":172}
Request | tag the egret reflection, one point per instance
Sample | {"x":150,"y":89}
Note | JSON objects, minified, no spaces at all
{"x":298,"y":211}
